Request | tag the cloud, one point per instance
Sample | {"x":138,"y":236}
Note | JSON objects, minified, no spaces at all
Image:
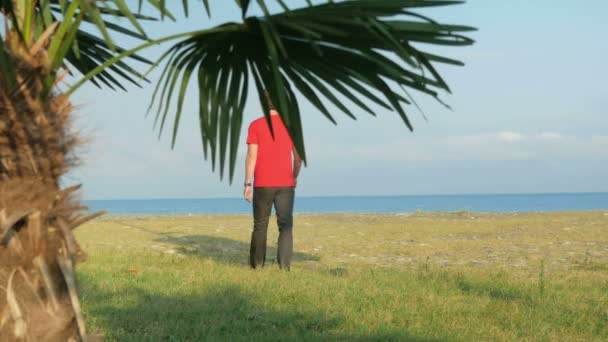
{"x":495,"y":146}
{"x":510,"y":136}
{"x":600,"y":139}
{"x":485,"y":138}
{"x":506,"y":145}
{"x":549,"y":136}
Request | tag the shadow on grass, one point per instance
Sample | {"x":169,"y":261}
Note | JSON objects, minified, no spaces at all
{"x":494,"y":290}
{"x":592,"y":266}
{"x":219,"y":249}
{"x":221,"y":314}
{"x":225,"y":250}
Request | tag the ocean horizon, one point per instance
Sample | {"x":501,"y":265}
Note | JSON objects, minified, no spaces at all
{"x":491,"y":203}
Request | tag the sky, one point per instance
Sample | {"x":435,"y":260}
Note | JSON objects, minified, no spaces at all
{"x":528,"y":116}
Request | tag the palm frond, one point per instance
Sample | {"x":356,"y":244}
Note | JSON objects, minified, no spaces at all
{"x":77,"y":48}
{"x":88,"y":50}
{"x":365,"y":50}
{"x":93,"y":51}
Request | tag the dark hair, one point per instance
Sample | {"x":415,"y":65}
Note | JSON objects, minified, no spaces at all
{"x":269,"y":101}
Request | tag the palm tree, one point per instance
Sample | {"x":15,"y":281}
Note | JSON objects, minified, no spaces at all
{"x":43,"y":41}
{"x":365,"y":50}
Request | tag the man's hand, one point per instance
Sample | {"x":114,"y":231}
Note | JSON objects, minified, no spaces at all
{"x":248,"y":193}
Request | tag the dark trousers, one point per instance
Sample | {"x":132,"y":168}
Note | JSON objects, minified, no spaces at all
{"x":263,"y":200}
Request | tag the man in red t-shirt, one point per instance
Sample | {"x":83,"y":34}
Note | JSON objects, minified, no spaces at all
{"x":270,"y":163}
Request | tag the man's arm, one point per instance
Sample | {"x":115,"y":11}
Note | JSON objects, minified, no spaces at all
{"x":297,"y":164}
{"x":252,"y":156}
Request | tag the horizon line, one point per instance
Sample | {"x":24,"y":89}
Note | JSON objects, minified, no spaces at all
{"x":374,"y":195}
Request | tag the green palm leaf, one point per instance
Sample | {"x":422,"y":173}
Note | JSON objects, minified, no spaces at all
{"x":89,"y":50}
{"x":365,"y":50}
{"x":80,"y":49}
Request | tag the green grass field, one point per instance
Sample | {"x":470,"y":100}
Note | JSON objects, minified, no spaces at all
{"x":411,"y":277}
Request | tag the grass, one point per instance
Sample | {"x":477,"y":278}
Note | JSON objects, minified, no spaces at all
{"x":420,"y":277}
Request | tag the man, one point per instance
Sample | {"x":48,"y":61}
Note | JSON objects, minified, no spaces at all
{"x":269,"y":162}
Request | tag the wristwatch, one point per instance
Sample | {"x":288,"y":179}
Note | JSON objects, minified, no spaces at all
{"x":247,"y":184}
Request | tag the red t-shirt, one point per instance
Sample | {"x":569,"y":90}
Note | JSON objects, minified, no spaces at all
{"x":274,"y":166}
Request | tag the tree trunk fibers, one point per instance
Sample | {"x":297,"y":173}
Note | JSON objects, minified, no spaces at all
{"x":38,"y":251}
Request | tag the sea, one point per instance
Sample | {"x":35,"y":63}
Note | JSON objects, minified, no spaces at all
{"x":490,"y":203}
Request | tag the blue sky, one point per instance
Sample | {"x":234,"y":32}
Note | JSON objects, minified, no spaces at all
{"x":528,"y":116}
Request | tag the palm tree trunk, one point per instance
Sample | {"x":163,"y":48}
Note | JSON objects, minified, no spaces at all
{"x":38,"y":251}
